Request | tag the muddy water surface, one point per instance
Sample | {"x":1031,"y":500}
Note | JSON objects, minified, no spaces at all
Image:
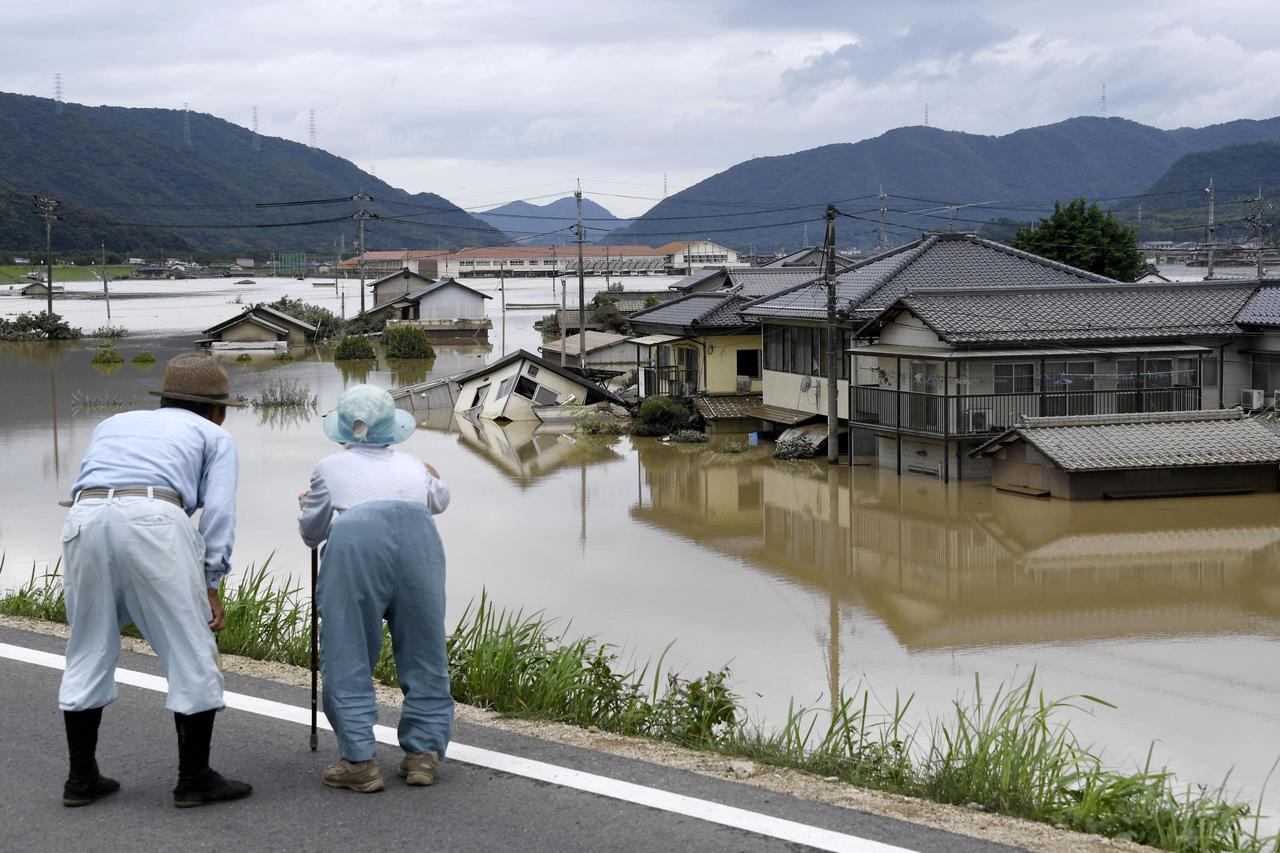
{"x":800,"y":578}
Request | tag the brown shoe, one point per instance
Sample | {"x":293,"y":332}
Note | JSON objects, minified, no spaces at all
{"x":362,"y":776}
{"x":419,"y":768}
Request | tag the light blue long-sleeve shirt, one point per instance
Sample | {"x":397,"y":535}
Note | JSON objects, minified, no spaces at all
{"x":181,"y":451}
{"x":362,"y":473}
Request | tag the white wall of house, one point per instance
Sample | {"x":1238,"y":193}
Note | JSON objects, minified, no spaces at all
{"x":921,"y":455}
{"x":783,"y":389}
{"x":907,"y":330}
{"x":496,"y":401}
{"x":451,"y":302}
{"x":700,"y":253}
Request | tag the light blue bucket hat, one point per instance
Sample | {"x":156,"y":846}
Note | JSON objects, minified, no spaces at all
{"x":367,"y":415}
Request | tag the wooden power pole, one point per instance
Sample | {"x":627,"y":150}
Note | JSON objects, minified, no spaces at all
{"x":833,"y":342}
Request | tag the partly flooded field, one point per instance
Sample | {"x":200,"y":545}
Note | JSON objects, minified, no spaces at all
{"x":800,"y":578}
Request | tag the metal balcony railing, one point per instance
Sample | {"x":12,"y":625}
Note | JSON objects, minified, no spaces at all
{"x":982,"y":414}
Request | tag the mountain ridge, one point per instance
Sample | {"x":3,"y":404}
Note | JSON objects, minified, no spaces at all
{"x":544,"y":224}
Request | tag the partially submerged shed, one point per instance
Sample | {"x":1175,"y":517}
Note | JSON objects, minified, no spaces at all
{"x":1154,"y":454}
{"x":260,"y":324}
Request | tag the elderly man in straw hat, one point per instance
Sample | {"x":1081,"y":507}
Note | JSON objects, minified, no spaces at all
{"x":384,"y":559}
{"x":132,"y":555}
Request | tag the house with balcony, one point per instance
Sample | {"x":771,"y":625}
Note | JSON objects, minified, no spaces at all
{"x":793,"y":320}
{"x":940,"y":371}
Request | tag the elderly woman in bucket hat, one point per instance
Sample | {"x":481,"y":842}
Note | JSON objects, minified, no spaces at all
{"x":383,"y":559}
{"x":130,"y":554}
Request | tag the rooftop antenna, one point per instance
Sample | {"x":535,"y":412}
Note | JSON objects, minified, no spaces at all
{"x":186,"y":125}
{"x":257,"y":143}
{"x":57,"y":92}
{"x":311,"y":128}
{"x":1104,"y":98}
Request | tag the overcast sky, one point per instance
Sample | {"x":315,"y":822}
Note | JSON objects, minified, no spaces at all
{"x":485,"y":101}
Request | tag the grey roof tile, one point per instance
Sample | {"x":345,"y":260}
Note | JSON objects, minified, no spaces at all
{"x":933,"y":261}
{"x":1168,"y":440}
{"x":1264,"y":308}
{"x":1088,"y":313}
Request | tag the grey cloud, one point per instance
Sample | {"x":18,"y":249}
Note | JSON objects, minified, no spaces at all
{"x":880,"y":53}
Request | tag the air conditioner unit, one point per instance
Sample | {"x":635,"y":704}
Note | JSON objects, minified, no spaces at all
{"x":977,"y":420}
{"x":1251,"y":399}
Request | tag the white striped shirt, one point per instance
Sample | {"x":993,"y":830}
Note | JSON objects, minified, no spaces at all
{"x":360,"y":474}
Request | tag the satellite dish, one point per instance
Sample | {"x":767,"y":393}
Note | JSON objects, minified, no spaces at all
{"x":806,"y":382}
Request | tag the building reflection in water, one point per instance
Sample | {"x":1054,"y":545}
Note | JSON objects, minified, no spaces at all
{"x":964,"y":566}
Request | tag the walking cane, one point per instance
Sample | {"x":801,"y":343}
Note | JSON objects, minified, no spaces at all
{"x":315,"y":648}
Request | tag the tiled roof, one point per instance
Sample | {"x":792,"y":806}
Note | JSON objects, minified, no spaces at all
{"x":595,"y":341}
{"x":416,"y":295}
{"x":695,"y":309}
{"x":1158,"y":440}
{"x":1264,"y":308}
{"x":1088,"y":313}
{"x":933,"y":261}
{"x":755,"y":282}
{"x":812,"y":257}
{"x":701,"y":277}
{"x":727,"y":406}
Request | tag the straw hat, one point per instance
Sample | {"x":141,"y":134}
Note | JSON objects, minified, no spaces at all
{"x":198,"y":378}
{"x":368,"y":415}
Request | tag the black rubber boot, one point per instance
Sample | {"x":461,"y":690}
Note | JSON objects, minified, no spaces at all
{"x":84,"y":783}
{"x":198,"y":784}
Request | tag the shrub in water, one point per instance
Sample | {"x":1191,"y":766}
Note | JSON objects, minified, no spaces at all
{"x":144,"y":357}
{"x":660,"y":415}
{"x":688,"y":436}
{"x":106,"y":354}
{"x":244,"y":358}
{"x":732,"y":446}
{"x":407,"y":342}
{"x":352,"y":347}
{"x":794,"y":448}
{"x":37,"y":327}
{"x":109,"y":332}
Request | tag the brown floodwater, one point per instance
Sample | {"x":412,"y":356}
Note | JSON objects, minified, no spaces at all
{"x":800,"y":578}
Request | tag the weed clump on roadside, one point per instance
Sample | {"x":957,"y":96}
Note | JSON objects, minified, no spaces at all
{"x":1009,"y":751}
{"x":353,"y":347}
{"x":407,"y":342}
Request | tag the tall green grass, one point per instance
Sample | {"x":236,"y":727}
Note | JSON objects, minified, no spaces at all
{"x":1010,"y":750}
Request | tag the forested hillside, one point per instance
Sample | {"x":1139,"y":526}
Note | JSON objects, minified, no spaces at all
{"x":544,"y":224}
{"x":922,"y":170}
{"x":133,"y":166}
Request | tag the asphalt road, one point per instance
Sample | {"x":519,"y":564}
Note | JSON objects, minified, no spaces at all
{"x":469,"y":808}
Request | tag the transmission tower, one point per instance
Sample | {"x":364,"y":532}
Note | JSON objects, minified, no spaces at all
{"x":1104,"y":98}
{"x":186,"y":125}
{"x":926,"y":113}
{"x":1257,"y":221}
{"x":57,"y":92}
{"x":311,"y":127}
{"x":257,"y":143}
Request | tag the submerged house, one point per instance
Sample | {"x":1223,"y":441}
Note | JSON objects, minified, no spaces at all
{"x":944,"y":370}
{"x":1136,"y":455}
{"x":446,"y":307}
{"x":714,"y":349}
{"x":598,"y":350}
{"x":260,"y":325}
{"x":514,"y":387}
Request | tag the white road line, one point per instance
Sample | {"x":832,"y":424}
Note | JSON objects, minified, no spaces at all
{"x":604,"y":786}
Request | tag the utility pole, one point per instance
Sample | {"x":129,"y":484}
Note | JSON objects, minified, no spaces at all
{"x":362,"y":215}
{"x":1212,"y":231}
{"x":45,"y":207}
{"x":833,"y":341}
{"x":884,"y":243}
{"x":105,"y":292}
{"x":1258,"y":223}
{"x":582,"y":286}
{"x":606,"y":267}
{"x":564,"y":313}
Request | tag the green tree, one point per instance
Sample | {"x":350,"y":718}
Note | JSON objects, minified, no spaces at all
{"x":1085,"y":237}
{"x":408,"y":342}
{"x":328,"y":325}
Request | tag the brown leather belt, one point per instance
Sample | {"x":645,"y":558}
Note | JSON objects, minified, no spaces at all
{"x":156,"y":492}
